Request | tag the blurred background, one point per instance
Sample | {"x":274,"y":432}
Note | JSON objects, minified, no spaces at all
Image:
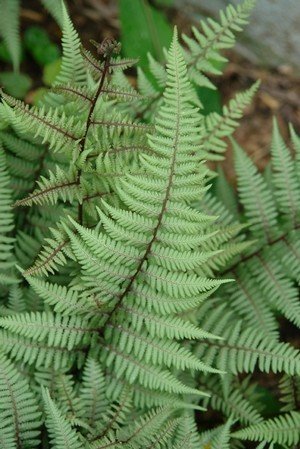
{"x":268,"y":50}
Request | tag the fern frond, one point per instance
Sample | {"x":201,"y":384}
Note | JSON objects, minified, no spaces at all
{"x":38,"y":353}
{"x":53,"y":253}
{"x":287,"y":189}
{"x":260,"y":208}
{"x":55,"y":330}
{"x":242,"y":349}
{"x":65,"y":301}
{"x":9,"y":29}
{"x":61,"y":132}
{"x":149,"y":376}
{"x":275,"y":285}
{"x":93,"y":393}
{"x":154,"y":351}
{"x":246,"y":303}
{"x":82,"y":94}
{"x":217,"y":127}
{"x":20,"y":147}
{"x":16,"y":302}
{"x":144,"y":430}
{"x":290,"y":392}
{"x":62,"y":435}
{"x":232,"y":403}
{"x":59,"y":185}
{"x":6,"y":224}
{"x":20,"y":417}
{"x":222,"y":438}
{"x":91,"y":63}
{"x":114,"y":417}
{"x":121,"y":266}
{"x":204,"y":48}
{"x":158,"y":70}
{"x":187,"y":432}
{"x":72,"y":68}
{"x":283,"y":430}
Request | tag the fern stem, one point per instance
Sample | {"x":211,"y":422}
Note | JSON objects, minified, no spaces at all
{"x":88,"y":124}
{"x":157,"y":226}
{"x":43,"y":192}
{"x":113,"y":419}
{"x":32,"y":270}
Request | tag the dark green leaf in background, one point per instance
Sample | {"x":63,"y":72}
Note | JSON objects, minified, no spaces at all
{"x":143,"y":29}
{"x":16,"y":84}
{"x":39,"y":45}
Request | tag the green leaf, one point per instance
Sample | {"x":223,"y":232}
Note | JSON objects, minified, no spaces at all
{"x":15,"y":84}
{"x":143,"y":29}
{"x":39,"y":45}
{"x":4,"y":53}
{"x":211,"y":100}
{"x":51,"y":71}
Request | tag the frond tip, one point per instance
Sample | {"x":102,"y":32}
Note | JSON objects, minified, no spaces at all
{"x":62,"y":435}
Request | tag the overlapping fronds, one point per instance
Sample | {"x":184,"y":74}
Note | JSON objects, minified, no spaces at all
{"x":203,"y":56}
{"x":290,"y":392}
{"x":232,"y":397}
{"x":244,"y":349}
{"x":112,"y":331}
{"x":266,"y":275}
{"x":143,"y":252}
{"x":217,"y":126}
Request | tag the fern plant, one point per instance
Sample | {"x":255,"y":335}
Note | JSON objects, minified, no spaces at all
{"x":120,"y":319}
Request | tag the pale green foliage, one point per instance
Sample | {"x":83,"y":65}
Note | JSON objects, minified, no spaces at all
{"x":110,"y":259}
{"x":202,"y":56}
{"x":283,"y":430}
{"x":61,"y":433}
{"x":266,"y":278}
{"x":206,"y":45}
{"x":243,"y":349}
{"x":222,"y":438}
{"x":231,"y":397}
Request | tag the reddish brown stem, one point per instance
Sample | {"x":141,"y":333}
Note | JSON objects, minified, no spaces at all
{"x":88,"y":124}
